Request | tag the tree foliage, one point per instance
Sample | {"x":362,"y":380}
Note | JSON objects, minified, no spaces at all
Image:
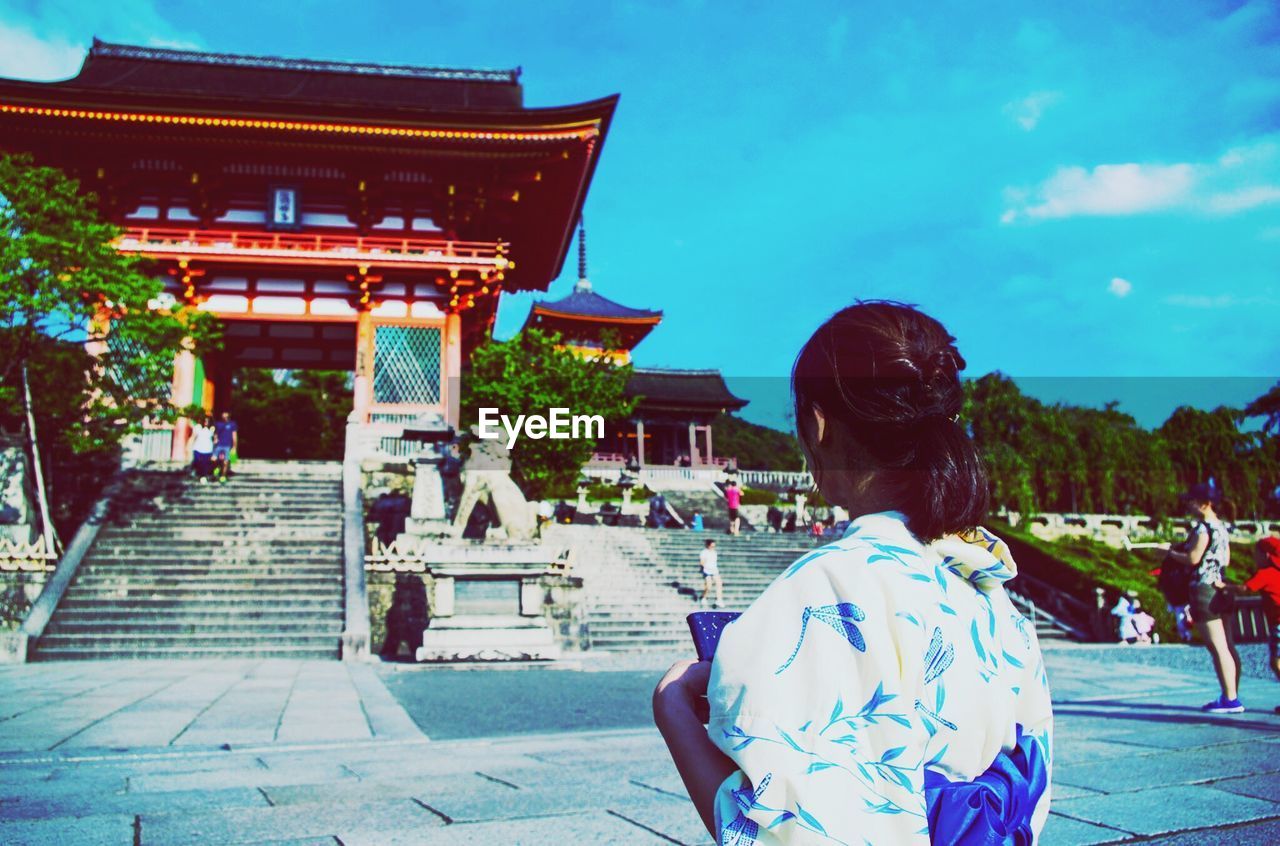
{"x":530,"y":374}
{"x":755,"y":447}
{"x":1069,"y":458}
{"x":1267,"y":406}
{"x":299,"y":414}
{"x":78,"y":451}
{"x":62,"y":280}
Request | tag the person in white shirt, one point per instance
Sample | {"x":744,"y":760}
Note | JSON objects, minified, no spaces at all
{"x":201,"y":442}
{"x":708,"y":560}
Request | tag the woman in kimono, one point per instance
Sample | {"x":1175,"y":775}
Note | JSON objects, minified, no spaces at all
{"x":883,"y":689}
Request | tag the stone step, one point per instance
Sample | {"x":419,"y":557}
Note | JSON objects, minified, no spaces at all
{"x":150,"y":640}
{"x":96,"y":629}
{"x":210,"y":583}
{"x":263,"y":617}
{"x":257,"y":597}
{"x":254,"y":547}
{"x":327,"y":599}
{"x":643,"y":645}
{"x":90,"y":652}
{"x":224,"y":565}
{"x":675,"y":623}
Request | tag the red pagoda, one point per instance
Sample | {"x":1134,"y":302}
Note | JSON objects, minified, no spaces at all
{"x":672,"y":421}
{"x":333,"y":215}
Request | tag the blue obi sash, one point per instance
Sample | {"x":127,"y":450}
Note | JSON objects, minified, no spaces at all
{"x":995,"y":808}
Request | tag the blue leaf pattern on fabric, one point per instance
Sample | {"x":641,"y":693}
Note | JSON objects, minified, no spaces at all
{"x":840,"y":617}
{"x":860,"y":776}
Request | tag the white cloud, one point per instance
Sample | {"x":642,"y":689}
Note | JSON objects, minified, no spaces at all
{"x":1242,"y":178}
{"x":1201,"y":300}
{"x":1244,"y":199}
{"x":48,"y":41}
{"x":1120,"y":287}
{"x":1211,"y":301}
{"x":24,"y":55}
{"x":1107,"y":190}
{"x":1028,"y":111}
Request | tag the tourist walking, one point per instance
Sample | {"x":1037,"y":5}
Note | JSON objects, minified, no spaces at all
{"x":1208,"y":553}
{"x":733,"y":501}
{"x":884,"y":686}
{"x":226,"y":440}
{"x":1266,"y":581}
{"x":201,"y":441}
{"x":709,"y":562}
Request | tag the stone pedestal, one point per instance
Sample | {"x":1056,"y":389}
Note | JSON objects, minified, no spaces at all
{"x":13,"y":648}
{"x":488,"y":638}
{"x":428,"y":515}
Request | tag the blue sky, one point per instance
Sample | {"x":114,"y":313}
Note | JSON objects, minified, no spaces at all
{"x":1084,"y":189}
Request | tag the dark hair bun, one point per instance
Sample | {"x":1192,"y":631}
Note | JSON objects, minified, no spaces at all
{"x":890,"y":375}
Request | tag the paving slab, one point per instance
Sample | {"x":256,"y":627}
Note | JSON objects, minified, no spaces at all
{"x":302,"y":753}
{"x":587,"y":827}
{"x":1259,"y":786}
{"x":246,"y":825}
{"x":1264,"y":833}
{"x":96,"y":830}
{"x":1064,"y":831}
{"x":1168,"y":809}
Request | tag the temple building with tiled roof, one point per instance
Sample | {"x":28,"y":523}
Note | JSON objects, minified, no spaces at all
{"x":673,"y":417}
{"x":331,"y":215}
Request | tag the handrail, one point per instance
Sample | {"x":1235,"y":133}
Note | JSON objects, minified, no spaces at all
{"x":356,"y":634}
{"x":42,"y":609}
{"x":229,"y":243}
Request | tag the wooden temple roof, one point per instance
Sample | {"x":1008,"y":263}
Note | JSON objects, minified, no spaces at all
{"x":155,"y":71}
{"x":498,"y":171}
{"x":700,"y":390}
{"x":584,"y":315}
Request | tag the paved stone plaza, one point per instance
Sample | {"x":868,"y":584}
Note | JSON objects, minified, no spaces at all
{"x":321,"y":752}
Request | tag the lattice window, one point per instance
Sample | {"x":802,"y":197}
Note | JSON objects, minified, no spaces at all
{"x":141,"y":376}
{"x":406,"y":365}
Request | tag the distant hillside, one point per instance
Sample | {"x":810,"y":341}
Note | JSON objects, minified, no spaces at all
{"x":756,"y":447}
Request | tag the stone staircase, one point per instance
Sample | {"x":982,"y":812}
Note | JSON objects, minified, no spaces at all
{"x":252,"y":568}
{"x":641,"y":583}
{"x":629,"y":606}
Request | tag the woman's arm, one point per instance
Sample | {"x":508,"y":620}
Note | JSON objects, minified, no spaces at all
{"x":679,"y":710}
{"x":1195,"y":554}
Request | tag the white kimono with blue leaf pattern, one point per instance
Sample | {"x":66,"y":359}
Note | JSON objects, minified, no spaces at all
{"x":867,"y":662}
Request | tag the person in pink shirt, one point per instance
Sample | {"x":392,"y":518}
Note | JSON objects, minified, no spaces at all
{"x":733,"y":499}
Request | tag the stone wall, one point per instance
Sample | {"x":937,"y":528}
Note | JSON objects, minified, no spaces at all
{"x":1112,"y":529}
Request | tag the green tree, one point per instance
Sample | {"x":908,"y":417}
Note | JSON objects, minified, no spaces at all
{"x":1267,"y":406}
{"x":61,"y":279}
{"x":62,"y":286}
{"x":299,"y":414}
{"x":756,"y":447}
{"x":530,"y":374}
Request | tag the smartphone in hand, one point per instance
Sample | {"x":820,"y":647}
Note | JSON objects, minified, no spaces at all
{"x":706,"y":628}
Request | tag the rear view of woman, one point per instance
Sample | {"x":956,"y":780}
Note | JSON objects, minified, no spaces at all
{"x":1207,"y":551}
{"x":883,"y":689}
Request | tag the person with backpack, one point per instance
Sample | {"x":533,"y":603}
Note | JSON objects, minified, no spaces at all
{"x":1207,"y":554}
{"x":1173,"y":580}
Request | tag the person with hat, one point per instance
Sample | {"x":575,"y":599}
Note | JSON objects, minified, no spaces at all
{"x":1208,"y":552}
{"x":1266,"y":554}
